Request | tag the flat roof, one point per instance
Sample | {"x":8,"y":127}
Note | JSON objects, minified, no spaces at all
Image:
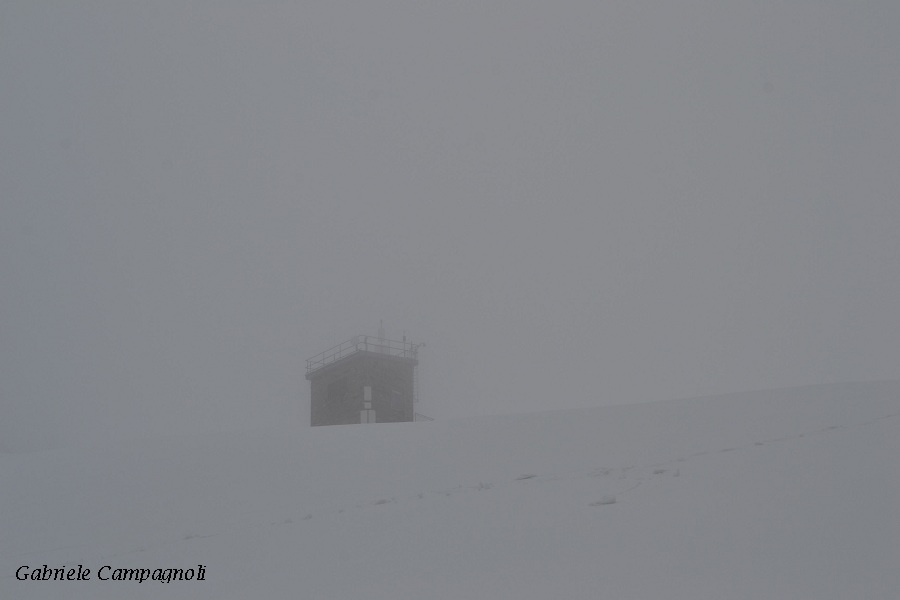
{"x":362,"y":344}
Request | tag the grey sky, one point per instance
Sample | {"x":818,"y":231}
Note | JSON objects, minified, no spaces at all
{"x":572,"y":203}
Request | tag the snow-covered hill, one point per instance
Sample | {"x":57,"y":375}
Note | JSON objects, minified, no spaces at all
{"x":780,"y":494}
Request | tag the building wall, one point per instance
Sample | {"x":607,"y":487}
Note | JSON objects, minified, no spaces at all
{"x":336,"y":390}
{"x":392,"y":388}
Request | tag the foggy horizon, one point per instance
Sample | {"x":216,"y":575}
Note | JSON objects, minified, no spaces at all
{"x":574,"y":205}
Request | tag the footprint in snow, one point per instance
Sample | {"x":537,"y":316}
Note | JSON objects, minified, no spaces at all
{"x":604,"y":501}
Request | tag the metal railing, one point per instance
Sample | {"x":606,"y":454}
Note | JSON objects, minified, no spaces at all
{"x":362,"y":343}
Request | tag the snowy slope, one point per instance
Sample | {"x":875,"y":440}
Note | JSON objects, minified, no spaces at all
{"x":780,"y":494}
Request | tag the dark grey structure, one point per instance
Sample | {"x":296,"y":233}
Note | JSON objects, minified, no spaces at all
{"x":363,"y":380}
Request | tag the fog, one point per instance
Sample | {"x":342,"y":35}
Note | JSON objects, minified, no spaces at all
{"x":572,"y":203}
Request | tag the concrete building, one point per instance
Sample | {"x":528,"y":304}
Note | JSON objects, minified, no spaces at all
{"x":363,"y":380}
